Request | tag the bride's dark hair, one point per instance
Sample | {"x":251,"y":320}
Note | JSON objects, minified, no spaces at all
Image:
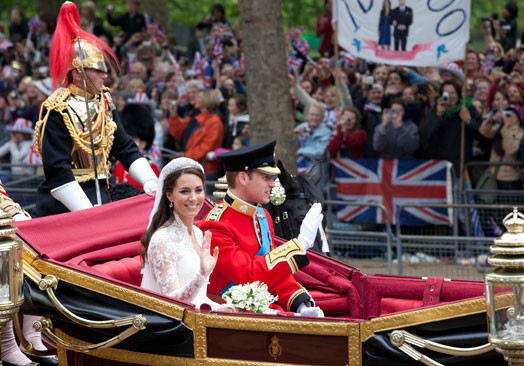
{"x":164,"y":213}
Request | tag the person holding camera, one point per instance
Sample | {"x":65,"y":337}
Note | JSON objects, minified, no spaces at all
{"x":442,"y":128}
{"x":395,"y":138}
{"x":504,"y":128}
{"x":131,"y":22}
{"x":349,"y":140}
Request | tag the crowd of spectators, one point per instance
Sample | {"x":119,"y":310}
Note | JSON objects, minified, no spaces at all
{"x":197,"y":100}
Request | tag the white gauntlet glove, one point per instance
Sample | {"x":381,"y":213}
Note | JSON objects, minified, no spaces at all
{"x":72,"y":196}
{"x":141,"y":171}
{"x":310,"y":225}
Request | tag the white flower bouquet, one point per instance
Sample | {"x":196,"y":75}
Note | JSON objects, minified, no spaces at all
{"x":253,"y":297}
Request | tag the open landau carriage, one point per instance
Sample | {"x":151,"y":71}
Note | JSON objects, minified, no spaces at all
{"x":82,"y":274}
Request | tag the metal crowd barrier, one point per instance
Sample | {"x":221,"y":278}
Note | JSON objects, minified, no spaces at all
{"x":357,"y":243}
{"x":454,"y":255}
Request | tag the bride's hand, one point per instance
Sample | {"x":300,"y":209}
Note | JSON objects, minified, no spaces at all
{"x":207,"y":261}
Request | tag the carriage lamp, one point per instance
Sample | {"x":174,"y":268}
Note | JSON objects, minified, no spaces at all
{"x":506,"y":313}
{"x":11,"y":275}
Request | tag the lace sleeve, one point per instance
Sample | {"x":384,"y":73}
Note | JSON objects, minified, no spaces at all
{"x":163,"y":257}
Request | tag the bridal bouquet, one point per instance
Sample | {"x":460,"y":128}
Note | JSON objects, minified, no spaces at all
{"x":254,"y":297}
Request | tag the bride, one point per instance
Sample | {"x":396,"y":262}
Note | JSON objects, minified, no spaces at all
{"x":177,"y":258}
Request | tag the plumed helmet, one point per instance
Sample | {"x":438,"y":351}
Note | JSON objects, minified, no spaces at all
{"x":71,"y":44}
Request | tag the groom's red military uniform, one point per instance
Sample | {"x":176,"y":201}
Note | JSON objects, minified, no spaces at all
{"x":235,"y":225}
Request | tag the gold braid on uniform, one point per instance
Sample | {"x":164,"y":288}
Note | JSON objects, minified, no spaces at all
{"x":81,"y":139}
{"x":8,"y":205}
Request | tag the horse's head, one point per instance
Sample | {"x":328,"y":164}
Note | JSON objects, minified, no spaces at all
{"x":301,"y":192}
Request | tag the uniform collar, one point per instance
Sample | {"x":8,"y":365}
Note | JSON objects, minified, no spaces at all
{"x":239,"y":205}
{"x":79,"y":92}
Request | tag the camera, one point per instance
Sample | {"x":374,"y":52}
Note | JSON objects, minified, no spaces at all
{"x":507,"y":78}
{"x":190,"y":73}
{"x":507,"y":28}
{"x":445,"y":97}
{"x":367,"y":80}
{"x":507,"y":114}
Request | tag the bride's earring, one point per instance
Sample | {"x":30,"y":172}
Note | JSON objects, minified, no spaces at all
{"x":170,"y":204}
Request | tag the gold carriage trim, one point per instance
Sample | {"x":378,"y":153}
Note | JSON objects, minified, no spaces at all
{"x":285,"y":252}
{"x":216,"y":213}
{"x":81,"y":139}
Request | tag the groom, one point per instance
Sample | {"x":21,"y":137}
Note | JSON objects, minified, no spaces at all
{"x":243,"y":231}
{"x":402,"y":17}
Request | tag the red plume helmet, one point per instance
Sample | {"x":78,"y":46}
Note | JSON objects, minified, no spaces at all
{"x":64,"y":46}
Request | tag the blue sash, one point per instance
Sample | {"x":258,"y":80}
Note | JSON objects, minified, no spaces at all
{"x":265,"y":238}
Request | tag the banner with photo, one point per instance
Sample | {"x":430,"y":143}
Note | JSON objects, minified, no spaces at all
{"x":404,"y":32}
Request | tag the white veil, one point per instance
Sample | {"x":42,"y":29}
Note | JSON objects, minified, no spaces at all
{"x":173,"y":166}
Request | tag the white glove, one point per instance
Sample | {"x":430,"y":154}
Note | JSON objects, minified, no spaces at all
{"x":20,"y":217}
{"x":310,"y":225}
{"x":305,"y":310}
{"x":141,"y":171}
{"x":72,"y":196}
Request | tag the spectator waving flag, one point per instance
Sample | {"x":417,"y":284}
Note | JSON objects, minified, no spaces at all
{"x":393,"y":183}
{"x":155,"y":29}
{"x":415,"y":33}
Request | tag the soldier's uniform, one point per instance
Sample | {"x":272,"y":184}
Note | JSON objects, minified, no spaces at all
{"x":62,"y":138}
{"x":244,"y":233}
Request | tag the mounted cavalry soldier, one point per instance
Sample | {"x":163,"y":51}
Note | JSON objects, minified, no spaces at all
{"x":79,"y":121}
{"x":243,"y":231}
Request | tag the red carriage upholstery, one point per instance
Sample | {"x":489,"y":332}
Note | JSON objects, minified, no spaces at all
{"x":105,"y":241}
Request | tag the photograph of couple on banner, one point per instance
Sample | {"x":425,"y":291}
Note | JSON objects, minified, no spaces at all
{"x":400,"y":18}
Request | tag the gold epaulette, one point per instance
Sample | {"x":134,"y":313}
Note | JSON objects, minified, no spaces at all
{"x":55,"y":102}
{"x":216,"y":213}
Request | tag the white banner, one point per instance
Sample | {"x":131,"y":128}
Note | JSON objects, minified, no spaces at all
{"x":404,"y":32}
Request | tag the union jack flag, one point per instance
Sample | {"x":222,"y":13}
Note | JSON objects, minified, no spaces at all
{"x":154,"y":28}
{"x":32,"y":157}
{"x":33,"y":24}
{"x":220,"y":31}
{"x":217,"y":50}
{"x":295,"y":33}
{"x":293,"y":63}
{"x":239,"y":64}
{"x":393,"y":183}
{"x":156,"y":155}
{"x":347,"y":58}
{"x":301,"y":45}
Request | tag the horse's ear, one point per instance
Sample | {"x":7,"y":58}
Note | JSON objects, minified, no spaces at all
{"x":285,"y":178}
{"x":314,"y":174}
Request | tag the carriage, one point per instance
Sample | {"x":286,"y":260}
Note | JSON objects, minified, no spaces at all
{"x":82,"y":274}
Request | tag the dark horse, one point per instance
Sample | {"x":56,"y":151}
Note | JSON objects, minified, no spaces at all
{"x":301,"y":192}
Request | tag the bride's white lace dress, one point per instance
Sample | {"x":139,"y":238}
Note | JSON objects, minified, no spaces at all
{"x":172,"y":266}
